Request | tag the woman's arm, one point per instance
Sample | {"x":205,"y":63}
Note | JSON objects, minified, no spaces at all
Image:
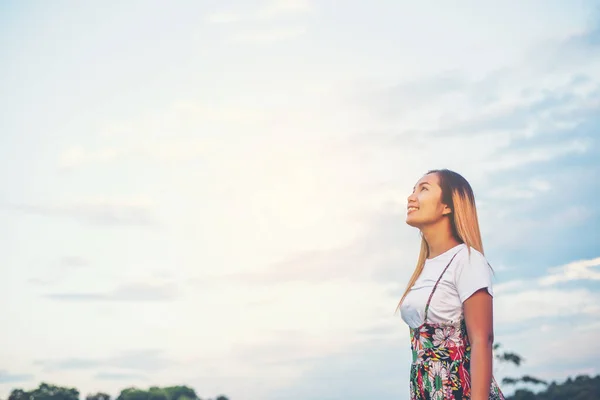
{"x":478,"y":310}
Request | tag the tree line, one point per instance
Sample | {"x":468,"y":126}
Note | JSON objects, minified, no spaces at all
{"x":582,"y":387}
{"x":47,"y":391}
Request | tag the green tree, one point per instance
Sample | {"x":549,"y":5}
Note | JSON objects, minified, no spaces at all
{"x":18,"y":394}
{"x":45,"y":391}
{"x":132,"y":393}
{"x":523,"y":394}
{"x":180,"y":393}
{"x":514,"y":358}
{"x":581,"y":388}
{"x":97,"y":396}
{"x":156,"y":393}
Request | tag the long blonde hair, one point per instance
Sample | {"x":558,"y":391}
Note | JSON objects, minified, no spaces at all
{"x":458,"y":195}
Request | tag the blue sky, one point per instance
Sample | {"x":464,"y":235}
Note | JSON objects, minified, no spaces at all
{"x":213,"y":193}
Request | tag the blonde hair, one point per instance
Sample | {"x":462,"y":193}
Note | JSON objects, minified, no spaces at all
{"x":458,"y":195}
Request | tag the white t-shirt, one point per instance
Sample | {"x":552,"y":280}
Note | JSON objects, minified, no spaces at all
{"x":466,"y":275}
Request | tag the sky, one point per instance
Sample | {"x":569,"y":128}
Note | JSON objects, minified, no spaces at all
{"x":214,"y":193}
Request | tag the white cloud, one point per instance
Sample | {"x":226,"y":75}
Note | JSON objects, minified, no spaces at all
{"x":509,"y":286}
{"x":278,"y":8}
{"x":269,"y":11}
{"x":532,"y":303}
{"x":166,"y":150}
{"x":263,"y":25}
{"x":97,"y":210}
{"x":523,"y":300}
{"x":543,"y":154}
{"x":11,"y":378}
{"x":265,"y":36}
{"x":76,"y":155}
{"x":58,"y":272}
{"x":573,"y":271}
{"x":136,"y":292}
{"x":223,"y":17}
{"x":528,"y":190}
{"x":566,"y":358}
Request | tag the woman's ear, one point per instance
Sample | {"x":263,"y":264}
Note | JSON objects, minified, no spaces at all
{"x":447,"y":210}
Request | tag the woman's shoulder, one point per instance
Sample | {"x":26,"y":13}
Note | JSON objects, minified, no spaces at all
{"x":472,"y":272}
{"x":471,"y":256}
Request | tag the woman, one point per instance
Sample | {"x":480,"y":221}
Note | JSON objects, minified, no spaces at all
{"x":448,"y":300}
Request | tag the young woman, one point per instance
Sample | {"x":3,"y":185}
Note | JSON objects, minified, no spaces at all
{"x":448,"y":300}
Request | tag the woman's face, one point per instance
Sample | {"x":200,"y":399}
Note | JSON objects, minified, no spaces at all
{"x":425,"y":203}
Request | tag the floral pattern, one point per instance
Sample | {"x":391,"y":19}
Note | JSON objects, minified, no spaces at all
{"x":441,"y":361}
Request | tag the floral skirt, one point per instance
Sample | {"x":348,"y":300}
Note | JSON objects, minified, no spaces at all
{"x":443,"y":380}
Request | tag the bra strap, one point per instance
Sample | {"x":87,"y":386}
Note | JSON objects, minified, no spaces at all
{"x":435,"y":286}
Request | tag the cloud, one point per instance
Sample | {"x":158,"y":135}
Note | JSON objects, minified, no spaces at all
{"x":565,"y":358}
{"x":530,"y":318}
{"x":73,"y":262}
{"x":137,"y":292}
{"x":96,"y":211}
{"x":182,"y":132}
{"x":118,"y":376}
{"x":556,"y":219}
{"x":150,"y":360}
{"x":278,"y":352}
{"x":521,"y":191}
{"x":271,"y":10}
{"x":165,"y":150}
{"x":533,"y":303}
{"x":579,"y":48}
{"x":529,"y":104}
{"x":266,"y":36}
{"x":523,"y":300}
{"x":511,"y":116}
{"x":290,"y":358}
{"x":76,"y":155}
{"x":576,"y":270}
{"x":543,"y":154}
{"x":383,"y":253}
{"x":56,"y":273}
{"x":509,"y":286}
{"x":7,"y":377}
{"x":264,"y":25}
{"x":373,"y":369}
{"x":376,"y":360}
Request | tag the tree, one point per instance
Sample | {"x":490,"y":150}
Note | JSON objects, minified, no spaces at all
{"x":157,"y":393}
{"x":18,"y":394}
{"x":52,"y":392}
{"x":132,"y":393}
{"x":581,"y":388}
{"x":180,"y":393}
{"x":45,"y":391}
{"x":506,"y":356}
{"x":97,"y":396}
{"x":523,"y":394}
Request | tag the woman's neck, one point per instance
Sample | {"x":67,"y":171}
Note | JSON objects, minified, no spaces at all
{"x":439,"y":240}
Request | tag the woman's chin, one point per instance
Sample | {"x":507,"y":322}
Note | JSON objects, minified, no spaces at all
{"x":411,"y":221}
